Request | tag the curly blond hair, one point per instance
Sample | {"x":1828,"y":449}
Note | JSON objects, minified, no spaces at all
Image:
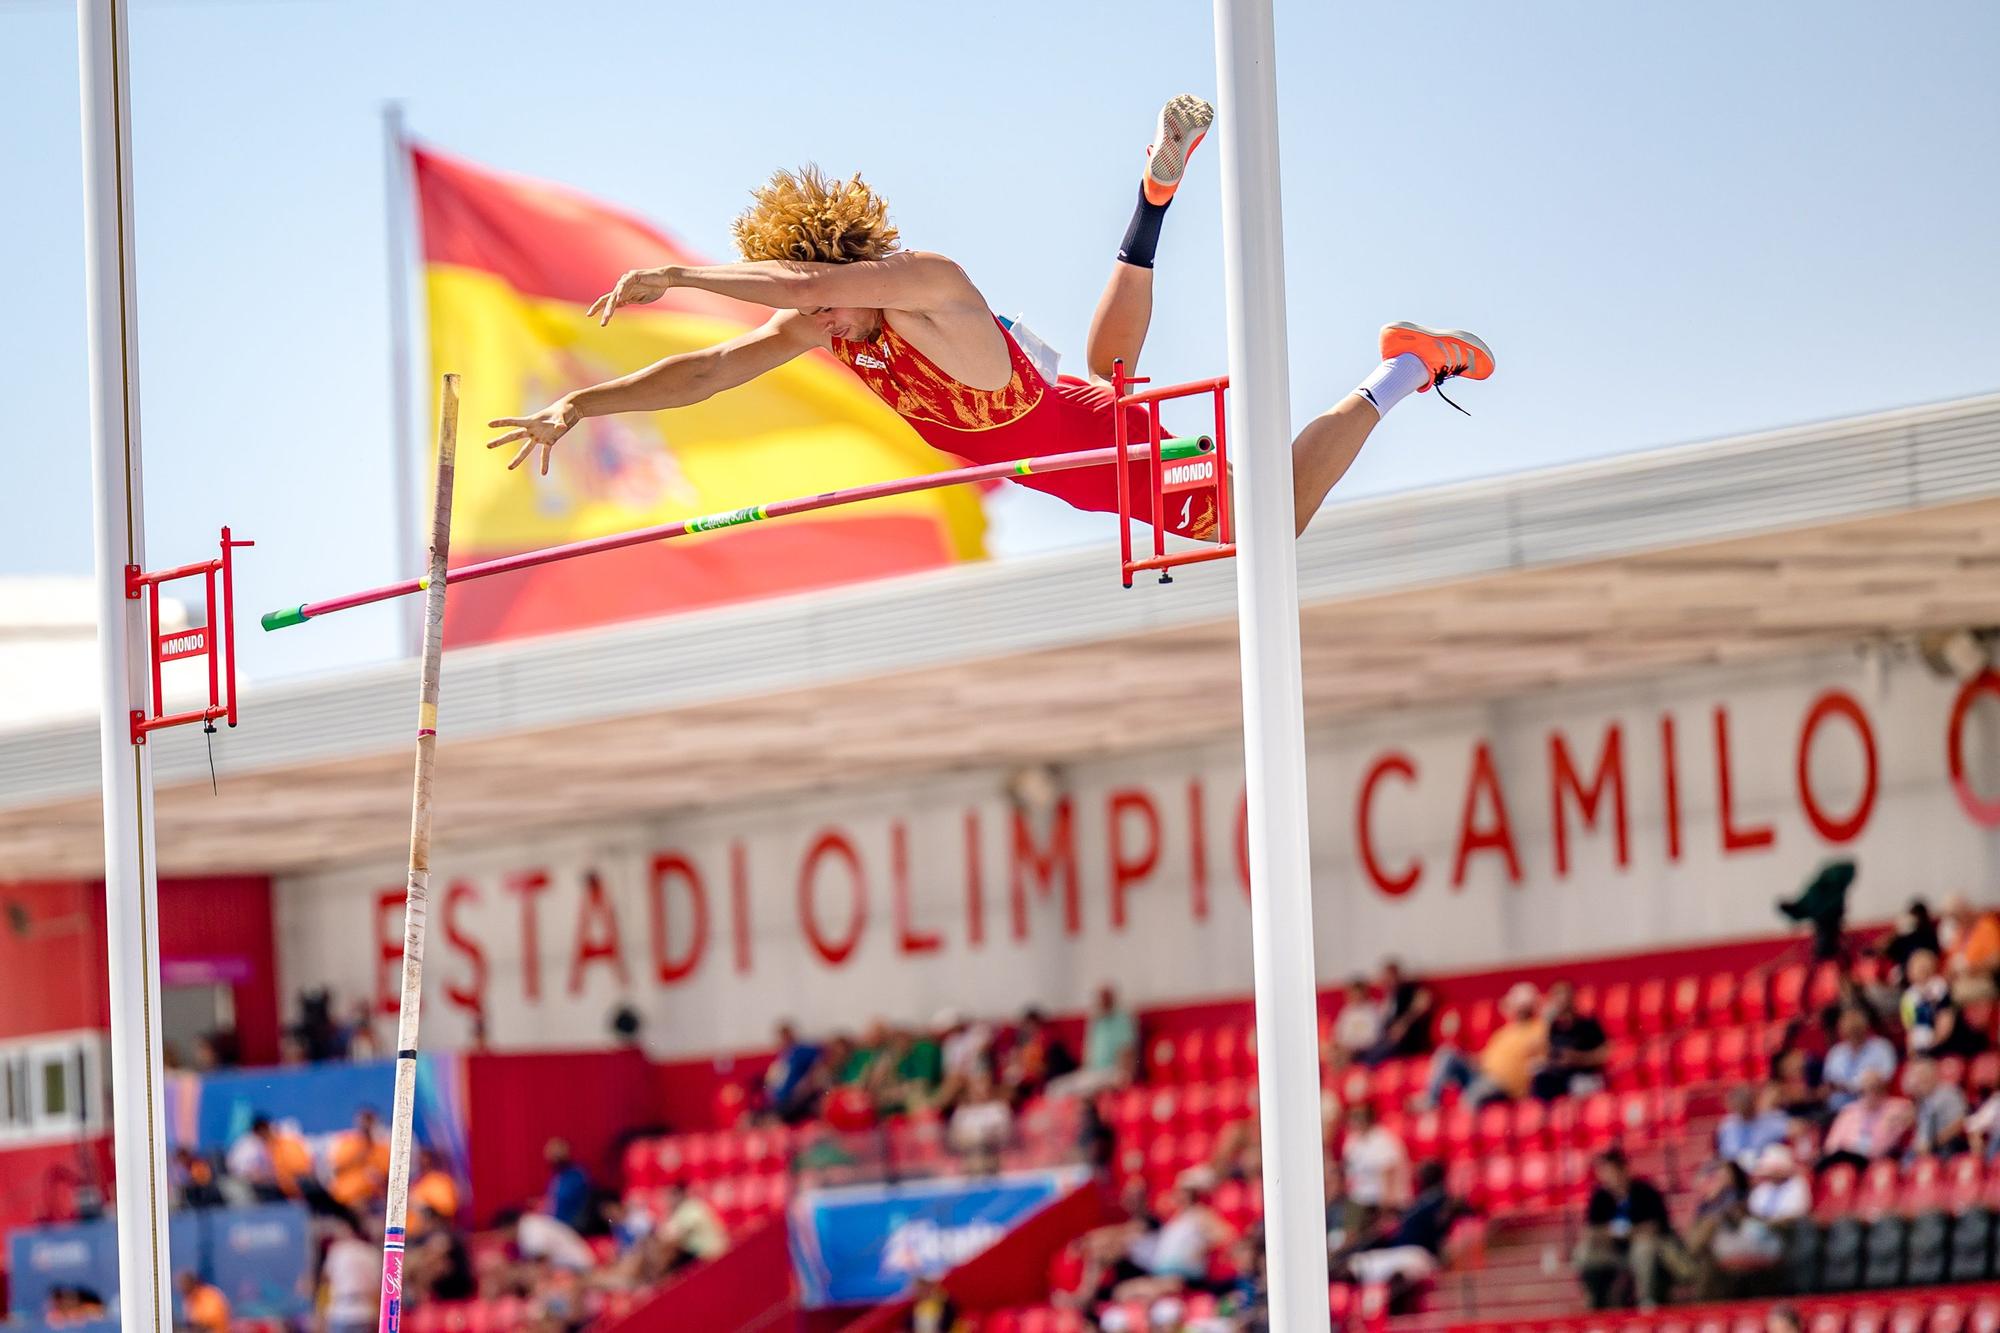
{"x":810,"y":217}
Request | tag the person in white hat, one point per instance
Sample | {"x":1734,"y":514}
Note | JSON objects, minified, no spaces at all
{"x":1779,"y":1190}
{"x":1506,"y":1064}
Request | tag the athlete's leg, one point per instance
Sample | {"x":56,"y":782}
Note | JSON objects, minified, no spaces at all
{"x":1118,"y":328}
{"x":1414,"y":360}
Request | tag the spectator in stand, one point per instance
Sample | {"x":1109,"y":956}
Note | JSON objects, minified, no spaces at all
{"x":1110,"y":1050}
{"x":1982,"y":1127}
{"x":1735,"y":1253}
{"x":438,"y":1266}
{"x":1873,"y":1125}
{"x":434,"y":1188}
{"x":1973,"y":1002}
{"x":193,"y":1181}
{"x":358,"y":1160}
{"x":1780,"y":1190}
{"x":1505,"y":1063}
{"x":1822,"y":904}
{"x":690,"y":1231}
{"x":1940,"y":1110}
{"x":908,"y":1074}
{"x":1858,"y":1052}
{"x":1342,"y":1213}
{"x":203,"y":1306}
{"x":1406,"y":1017}
{"x":1967,"y":935}
{"x":1926,"y":1009}
{"x":1035,"y":1058}
{"x":786,"y":1077}
{"x":1622,"y":1257}
{"x":1799,"y":1096}
{"x":1577,"y":1049}
{"x":358,"y":1038}
{"x":567,"y":1196}
{"x":1915,"y":929}
{"x":1376,"y":1168}
{"x":1409,"y":1250}
{"x":932,"y":1309}
{"x":534,"y":1244}
{"x":1175,"y":1256}
{"x":1754,"y":1122}
{"x":966,"y":1049}
{"x":982,"y":1123}
{"x":1783,"y":1319}
{"x":273,"y":1161}
{"x":1355,"y":1028}
{"x":351,"y":1279}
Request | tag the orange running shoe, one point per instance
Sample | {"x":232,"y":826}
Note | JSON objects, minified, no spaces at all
{"x":1446,"y":353}
{"x":1183,"y":122}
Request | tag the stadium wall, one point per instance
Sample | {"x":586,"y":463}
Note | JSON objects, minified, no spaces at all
{"x":1649,"y":814}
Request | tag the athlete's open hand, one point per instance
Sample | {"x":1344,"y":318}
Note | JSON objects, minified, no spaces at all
{"x":637,"y":287}
{"x":541,"y":430}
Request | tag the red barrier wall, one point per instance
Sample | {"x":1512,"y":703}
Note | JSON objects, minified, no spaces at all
{"x":516,"y":1103}
{"x":748,"y":1288}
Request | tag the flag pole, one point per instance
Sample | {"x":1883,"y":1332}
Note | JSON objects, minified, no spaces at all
{"x":416,"y":898}
{"x":409,"y":522}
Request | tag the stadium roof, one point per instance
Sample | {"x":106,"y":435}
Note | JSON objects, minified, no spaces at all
{"x":1767,"y":545}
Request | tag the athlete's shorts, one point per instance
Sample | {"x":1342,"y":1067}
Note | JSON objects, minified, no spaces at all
{"x":1078,"y":416}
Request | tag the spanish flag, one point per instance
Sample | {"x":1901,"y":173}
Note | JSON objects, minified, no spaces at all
{"x":510,"y":266}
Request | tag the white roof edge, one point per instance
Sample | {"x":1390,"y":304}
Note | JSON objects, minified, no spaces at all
{"x":1675,"y":496}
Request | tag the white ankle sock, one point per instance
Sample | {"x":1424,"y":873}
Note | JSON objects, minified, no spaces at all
{"x":1393,"y":381}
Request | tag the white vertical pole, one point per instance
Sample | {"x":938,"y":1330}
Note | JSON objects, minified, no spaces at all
{"x":132,"y":946}
{"x":409,"y":521}
{"x":1267,"y":601}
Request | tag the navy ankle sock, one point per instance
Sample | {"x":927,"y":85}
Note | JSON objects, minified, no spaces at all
{"x":1143,"y":236}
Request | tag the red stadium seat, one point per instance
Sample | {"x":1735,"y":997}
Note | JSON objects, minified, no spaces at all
{"x":642,"y":1165}
{"x":1163,"y":1062}
{"x":1565,"y":1127}
{"x":1823,"y":989}
{"x":1616,"y":1010}
{"x":1985,"y":1070}
{"x":1535,"y":1180}
{"x":1719,"y":1000}
{"x":1197,"y":1108}
{"x":1924,"y":1187}
{"x":1684,"y":1009}
{"x":1232,"y":1102}
{"x":1498,"y":1184}
{"x":1458,"y":1132}
{"x":1649,"y":1007}
{"x":1231,"y":1051}
{"x":1947,"y":1316}
{"x":1833,"y":1194}
{"x":1493,"y":1127}
{"x":1788,"y":991}
{"x":1162,"y":1108}
{"x":1480,"y":1020}
{"x":1599,"y":1121}
{"x":1753,"y":998}
{"x":1733,"y":1059}
{"x":1194,"y":1058}
{"x":1656,"y":1061}
{"x":1965,"y":1180}
{"x":728,"y":1154}
{"x":670,"y":1160}
{"x":1636,"y":1116}
{"x":1586,"y":1000}
{"x":1694,"y":1057}
{"x":1424,"y":1135}
{"x":1128,"y":1111}
{"x":1392,"y":1085}
{"x":698,"y":1155}
{"x":1531,"y":1123}
{"x":1879,"y":1187}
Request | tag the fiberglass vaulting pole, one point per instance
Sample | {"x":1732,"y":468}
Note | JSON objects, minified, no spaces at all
{"x":132,"y":945}
{"x":1267,"y":601}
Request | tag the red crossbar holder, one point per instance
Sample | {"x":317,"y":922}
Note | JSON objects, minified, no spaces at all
{"x":200,"y":641}
{"x":1210,"y":470}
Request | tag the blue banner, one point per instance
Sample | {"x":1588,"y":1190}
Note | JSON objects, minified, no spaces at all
{"x":867,"y":1243}
{"x":258,"y":1256}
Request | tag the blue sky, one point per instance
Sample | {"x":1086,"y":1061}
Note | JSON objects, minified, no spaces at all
{"x":1671,"y":222}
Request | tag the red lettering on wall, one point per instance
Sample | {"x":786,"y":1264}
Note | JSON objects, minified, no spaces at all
{"x":530,"y":885}
{"x":1129,"y":867}
{"x":1197,"y":851}
{"x":908,"y":939}
{"x":1393,"y":764}
{"x":833,"y":952}
{"x":1059,"y":858}
{"x":470,"y":998}
{"x":1564,"y":784}
{"x":1984,"y":810}
{"x":739,"y":902}
{"x":1670,"y":785}
{"x":1498,"y":835}
{"x":1734,"y":839}
{"x":975,"y":884}
{"x":1837,"y":703}
{"x":388,"y":952}
{"x":597,"y":935}
{"x":674,"y":868}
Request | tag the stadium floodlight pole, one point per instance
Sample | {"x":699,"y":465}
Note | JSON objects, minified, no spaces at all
{"x":1267,"y":608}
{"x":131,"y":890}
{"x":1171,"y":450}
{"x":417,"y":891}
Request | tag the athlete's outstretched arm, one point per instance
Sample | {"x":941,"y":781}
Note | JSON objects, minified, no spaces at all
{"x":676,"y":381}
{"x":912,"y":280}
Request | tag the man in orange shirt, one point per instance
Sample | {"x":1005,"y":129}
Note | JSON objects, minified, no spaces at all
{"x":1507,"y":1061}
{"x":1968,"y":935}
{"x":202,"y":1306}
{"x":359,"y":1159}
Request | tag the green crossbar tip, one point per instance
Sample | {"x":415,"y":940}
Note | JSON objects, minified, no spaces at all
{"x":291,"y":615}
{"x":1186,"y":446}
